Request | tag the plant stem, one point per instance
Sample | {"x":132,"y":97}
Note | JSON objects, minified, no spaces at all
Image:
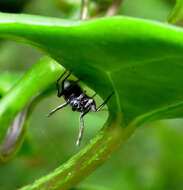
{"x":30,"y":85}
{"x":16,"y":132}
{"x":87,"y":160}
{"x":84,"y":9}
{"x":114,"y":8}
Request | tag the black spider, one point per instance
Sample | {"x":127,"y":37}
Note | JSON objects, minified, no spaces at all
{"x":77,"y":98}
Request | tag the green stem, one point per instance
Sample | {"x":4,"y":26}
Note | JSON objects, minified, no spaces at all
{"x":39,"y":78}
{"x":17,"y":131}
{"x":87,"y":160}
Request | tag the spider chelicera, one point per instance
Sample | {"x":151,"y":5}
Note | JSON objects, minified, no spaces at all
{"x":78,"y":99}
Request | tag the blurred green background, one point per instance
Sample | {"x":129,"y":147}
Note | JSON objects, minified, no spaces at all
{"x":152,"y":159}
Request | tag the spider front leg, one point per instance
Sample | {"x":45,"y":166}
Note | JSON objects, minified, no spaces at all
{"x":81,"y":128}
{"x":58,"y":108}
{"x":60,"y":88}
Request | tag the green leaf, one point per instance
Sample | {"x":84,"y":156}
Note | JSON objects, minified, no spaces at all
{"x":15,"y":114}
{"x":140,"y":60}
{"x":177,"y":13}
{"x":12,"y":139}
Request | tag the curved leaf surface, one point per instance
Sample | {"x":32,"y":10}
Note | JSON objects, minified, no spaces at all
{"x":29,"y":86}
{"x":140,"y":60}
{"x":20,"y":94}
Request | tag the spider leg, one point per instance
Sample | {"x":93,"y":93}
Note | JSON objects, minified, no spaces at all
{"x":81,"y":96}
{"x":57,"y":83}
{"x":81,"y":128}
{"x":62,"y":75}
{"x":105,"y":101}
{"x":60,"y":90}
{"x":94,"y":95}
{"x":58,"y":108}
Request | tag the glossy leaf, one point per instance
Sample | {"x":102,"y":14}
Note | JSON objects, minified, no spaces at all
{"x":15,"y":132}
{"x":140,"y":60}
{"x":18,"y":99}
